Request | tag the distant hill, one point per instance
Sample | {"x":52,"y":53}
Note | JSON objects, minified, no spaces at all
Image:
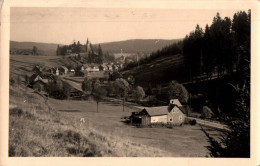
{"x":136,"y":45}
{"x":127,"y":46}
{"x":45,"y":48}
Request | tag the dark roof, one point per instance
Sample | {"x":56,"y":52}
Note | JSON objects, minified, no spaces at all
{"x":153,"y":111}
{"x":176,"y":102}
{"x":63,"y":67}
{"x":34,"y":76}
{"x":37,"y":68}
{"x":47,"y":76}
{"x":43,"y":81}
{"x":183,"y":108}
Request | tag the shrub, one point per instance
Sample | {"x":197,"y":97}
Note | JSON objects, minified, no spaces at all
{"x":192,"y":122}
{"x":158,"y":125}
{"x":76,"y":144}
{"x":59,"y":89}
{"x":11,"y":150}
{"x":178,"y":91}
{"x":21,"y":113}
{"x":79,"y":73}
{"x":138,"y":93}
{"x":206,"y":112}
{"x":11,"y":81}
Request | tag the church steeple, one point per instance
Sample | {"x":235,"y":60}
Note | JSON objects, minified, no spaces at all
{"x":88,"y":48}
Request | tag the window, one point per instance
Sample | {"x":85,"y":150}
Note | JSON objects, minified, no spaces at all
{"x":180,"y":117}
{"x":170,"y":119}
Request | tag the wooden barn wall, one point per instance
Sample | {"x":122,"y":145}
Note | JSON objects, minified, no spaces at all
{"x":159,"y":119}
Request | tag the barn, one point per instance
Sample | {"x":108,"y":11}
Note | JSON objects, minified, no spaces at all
{"x":150,"y":115}
{"x":174,"y":113}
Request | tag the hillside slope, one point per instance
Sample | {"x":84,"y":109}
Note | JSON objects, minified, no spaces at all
{"x":38,"y":130}
{"x":136,"y":45}
{"x":159,"y":71}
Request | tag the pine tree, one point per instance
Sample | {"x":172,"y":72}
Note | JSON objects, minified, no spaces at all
{"x":235,"y":142}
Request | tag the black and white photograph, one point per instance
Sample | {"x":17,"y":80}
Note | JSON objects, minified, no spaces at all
{"x":129,"y":82}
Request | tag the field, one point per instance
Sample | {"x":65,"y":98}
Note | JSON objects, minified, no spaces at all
{"x":23,"y":64}
{"x":185,"y":141}
{"x":46,"y":48}
{"x":104,"y":133}
{"x":36,"y":130}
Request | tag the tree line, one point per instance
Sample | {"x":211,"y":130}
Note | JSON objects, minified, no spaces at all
{"x":120,"y":88}
{"x":220,"y":48}
{"x":87,"y":53}
{"x":172,"y":49}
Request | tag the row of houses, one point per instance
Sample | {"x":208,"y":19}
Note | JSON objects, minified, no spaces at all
{"x":90,"y":68}
{"x":103,"y":67}
{"x":61,"y":70}
{"x":175,"y":113}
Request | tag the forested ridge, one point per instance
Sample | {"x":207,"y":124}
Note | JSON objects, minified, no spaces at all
{"x":219,"y":49}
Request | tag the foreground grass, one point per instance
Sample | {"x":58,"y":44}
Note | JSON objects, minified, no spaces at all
{"x":37,"y":130}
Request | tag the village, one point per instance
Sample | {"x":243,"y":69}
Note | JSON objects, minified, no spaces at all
{"x":173,"y":113}
{"x":90,"y":93}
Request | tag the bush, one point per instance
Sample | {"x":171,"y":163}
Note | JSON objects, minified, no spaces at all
{"x":192,"y":122}
{"x":21,"y":113}
{"x":11,"y":81}
{"x":59,"y":89}
{"x":158,"y":125}
{"x":206,"y":112}
{"x":79,"y":73}
{"x":76,"y":144}
{"x":178,"y":91}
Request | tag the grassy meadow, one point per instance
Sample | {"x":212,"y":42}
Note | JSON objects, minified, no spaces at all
{"x":36,"y":129}
{"x":20,"y":65}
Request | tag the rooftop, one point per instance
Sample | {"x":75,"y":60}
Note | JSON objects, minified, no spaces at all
{"x":153,"y":111}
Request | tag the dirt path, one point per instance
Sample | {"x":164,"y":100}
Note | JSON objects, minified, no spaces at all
{"x":209,"y":123}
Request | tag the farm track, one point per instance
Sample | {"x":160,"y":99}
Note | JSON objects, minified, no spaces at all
{"x":207,"y":123}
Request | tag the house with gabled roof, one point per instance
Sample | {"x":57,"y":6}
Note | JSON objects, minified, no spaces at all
{"x":174,"y":113}
{"x":38,"y":82}
{"x":37,"y":69}
{"x":63,"y":70}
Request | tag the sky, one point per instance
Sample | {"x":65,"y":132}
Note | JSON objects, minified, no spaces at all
{"x":64,"y":25}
